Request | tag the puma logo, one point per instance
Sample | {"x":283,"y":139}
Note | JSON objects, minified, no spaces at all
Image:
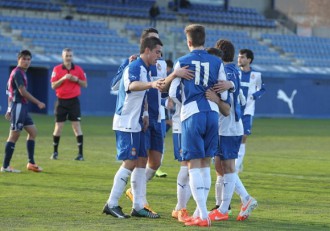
{"x":282,"y":96}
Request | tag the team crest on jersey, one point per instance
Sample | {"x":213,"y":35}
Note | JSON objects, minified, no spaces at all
{"x":252,"y":76}
{"x":133,"y":152}
{"x":53,"y":74}
{"x":159,"y":67}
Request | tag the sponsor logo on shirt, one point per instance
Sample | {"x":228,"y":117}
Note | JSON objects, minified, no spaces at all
{"x":159,"y":67}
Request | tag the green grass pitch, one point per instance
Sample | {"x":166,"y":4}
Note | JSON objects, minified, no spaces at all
{"x":286,"y":168}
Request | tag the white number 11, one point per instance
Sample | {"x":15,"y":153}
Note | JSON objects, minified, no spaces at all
{"x":206,"y":66}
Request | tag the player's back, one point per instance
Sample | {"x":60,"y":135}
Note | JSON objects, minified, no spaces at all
{"x":231,"y":125}
{"x":207,"y":71}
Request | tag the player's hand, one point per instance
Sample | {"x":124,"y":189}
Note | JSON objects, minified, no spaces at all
{"x":41,"y":105}
{"x":132,"y":58}
{"x":159,"y":84}
{"x":145,"y":121}
{"x":8,"y":115}
{"x":212,"y":95}
{"x":184,"y":73}
{"x":222,"y":86}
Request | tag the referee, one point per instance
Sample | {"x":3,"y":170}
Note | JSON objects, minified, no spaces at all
{"x":67,"y":78}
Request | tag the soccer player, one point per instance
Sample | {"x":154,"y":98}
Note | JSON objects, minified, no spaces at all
{"x":253,"y":89}
{"x":17,"y":113}
{"x":128,"y":124}
{"x":230,"y":136}
{"x":154,"y":134}
{"x":199,"y":117}
{"x":67,"y":79}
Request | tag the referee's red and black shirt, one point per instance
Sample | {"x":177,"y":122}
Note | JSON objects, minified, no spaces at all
{"x":68,"y":89}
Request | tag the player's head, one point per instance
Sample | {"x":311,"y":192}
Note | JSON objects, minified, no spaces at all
{"x":214,"y":51}
{"x":151,"y":50}
{"x":195,"y":34}
{"x":245,"y":57}
{"x":67,"y":55}
{"x":149,"y":32}
{"x":169,"y":65}
{"x":24,"y":59}
{"x":227,"y":49}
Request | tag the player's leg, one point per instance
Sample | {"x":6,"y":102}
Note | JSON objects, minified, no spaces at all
{"x":61,"y":114}
{"x":155,"y":147}
{"x":159,"y":172}
{"x":218,"y":183}
{"x":247,"y":124}
{"x":16,"y":126}
{"x":138,"y":183}
{"x":142,"y":166}
{"x":183,"y":189}
{"x":193,"y":130}
{"x":211,"y":148}
{"x":155,"y":142}
{"x":228,"y":154}
{"x":127,"y":153}
{"x":74,"y":116}
{"x":248,"y":202}
{"x":31,"y":129}
{"x":9,"y":150}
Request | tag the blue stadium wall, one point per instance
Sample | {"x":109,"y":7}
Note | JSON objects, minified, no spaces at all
{"x":310,"y":100}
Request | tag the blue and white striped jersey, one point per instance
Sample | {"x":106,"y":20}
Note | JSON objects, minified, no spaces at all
{"x":253,"y":89}
{"x":155,"y":109}
{"x":130,"y":104}
{"x":208,"y":70}
{"x":232,"y":125}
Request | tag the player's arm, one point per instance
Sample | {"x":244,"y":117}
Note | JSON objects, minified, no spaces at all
{"x":224,"y":107}
{"x":22,"y":90}
{"x":223,"y":85}
{"x":181,"y":72}
{"x":18,"y":78}
{"x":175,"y":92}
{"x":141,"y":86}
{"x":116,"y":79}
{"x":260,"y":89}
{"x":8,"y":112}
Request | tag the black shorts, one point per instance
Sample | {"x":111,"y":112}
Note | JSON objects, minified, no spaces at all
{"x":67,"y":109}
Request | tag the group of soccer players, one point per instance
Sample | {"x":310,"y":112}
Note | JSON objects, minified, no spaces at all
{"x":209,"y":93}
{"x":214,"y":108}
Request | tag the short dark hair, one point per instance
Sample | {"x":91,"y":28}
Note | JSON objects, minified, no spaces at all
{"x":151,"y":43}
{"x":214,"y":51}
{"x":249,"y":54}
{"x":169,"y":63}
{"x":24,"y":53}
{"x":196,"y":33}
{"x":227,"y":48}
{"x":67,"y":50}
{"x":147,"y":31}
